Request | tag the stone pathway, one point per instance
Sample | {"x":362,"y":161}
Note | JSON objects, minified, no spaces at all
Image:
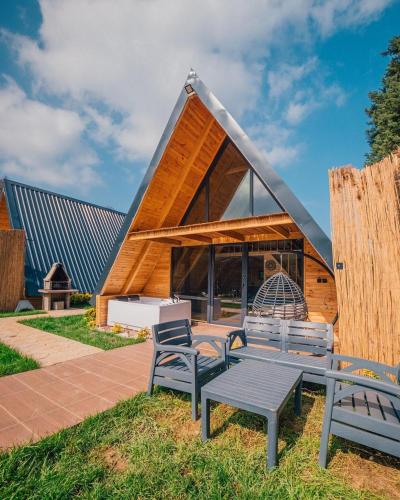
{"x":41,"y":402}
{"x":46,"y":348}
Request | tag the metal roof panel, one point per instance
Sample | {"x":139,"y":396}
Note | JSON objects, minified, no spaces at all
{"x":59,"y":228}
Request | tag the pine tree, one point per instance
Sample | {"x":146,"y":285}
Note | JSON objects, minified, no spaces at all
{"x":384,"y":113}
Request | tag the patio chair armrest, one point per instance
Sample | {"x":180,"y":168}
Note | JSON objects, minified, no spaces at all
{"x":178,"y":349}
{"x":232,"y":336}
{"x":353,"y":364}
{"x":212,"y":340}
{"x":367,"y":382}
{"x":206,"y":338}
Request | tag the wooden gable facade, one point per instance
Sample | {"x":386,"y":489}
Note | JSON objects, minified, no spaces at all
{"x":195,"y":135}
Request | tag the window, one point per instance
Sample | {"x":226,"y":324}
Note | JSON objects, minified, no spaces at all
{"x":227,"y":284}
{"x":267,"y":258}
{"x":231,"y":190}
{"x":229,"y":185}
{"x":197,"y":211}
{"x":264,"y":203}
{"x":190,"y":277}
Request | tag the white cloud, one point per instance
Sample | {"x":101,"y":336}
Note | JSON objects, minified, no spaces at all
{"x":331,"y":14}
{"x":282,"y":155}
{"x":281,"y":80}
{"x":317,"y":96}
{"x":129,"y":59}
{"x":273,"y":140}
{"x":297,"y":111}
{"x":42,"y":143}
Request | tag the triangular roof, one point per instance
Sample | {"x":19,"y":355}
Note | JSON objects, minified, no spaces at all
{"x":59,"y":228}
{"x":195,"y":93}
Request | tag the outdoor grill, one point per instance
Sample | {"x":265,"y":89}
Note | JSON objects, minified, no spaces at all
{"x":57,"y":288}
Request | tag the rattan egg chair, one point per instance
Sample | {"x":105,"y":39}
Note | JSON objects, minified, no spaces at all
{"x":280,"y":297}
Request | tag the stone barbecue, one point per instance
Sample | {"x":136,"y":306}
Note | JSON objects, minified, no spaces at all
{"x":57,"y":288}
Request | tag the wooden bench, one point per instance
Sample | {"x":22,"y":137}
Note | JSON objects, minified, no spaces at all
{"x":360,"y":408}
{"x":297,"y":344}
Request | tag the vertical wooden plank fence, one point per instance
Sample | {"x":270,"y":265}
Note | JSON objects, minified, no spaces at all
{"x":365,"y":216}
{"x":12,"y":274}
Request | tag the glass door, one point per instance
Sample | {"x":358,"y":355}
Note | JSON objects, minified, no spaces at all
{"x":190,"y":278}
{"x":227,"y":284}
{"x":256,"y":278}
{"x":264,"y":260}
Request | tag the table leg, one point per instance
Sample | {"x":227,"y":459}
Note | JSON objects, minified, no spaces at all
{"x":205,"y":418}
{"x":297,"y":398}
{"x":273,"y":424}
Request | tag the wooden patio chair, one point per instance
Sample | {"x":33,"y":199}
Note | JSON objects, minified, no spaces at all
{"x":360,"y":408}
{"x":177,"y":364}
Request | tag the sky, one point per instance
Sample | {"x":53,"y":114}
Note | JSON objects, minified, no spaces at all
{"x":87,"y":86}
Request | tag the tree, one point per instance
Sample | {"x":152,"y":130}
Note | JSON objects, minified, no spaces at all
{"x":384,"y":113}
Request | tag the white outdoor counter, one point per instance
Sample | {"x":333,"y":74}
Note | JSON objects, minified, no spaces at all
{"x":146,"y":311}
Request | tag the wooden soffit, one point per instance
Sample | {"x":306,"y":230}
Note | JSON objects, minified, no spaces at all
{"x":279,"y":226}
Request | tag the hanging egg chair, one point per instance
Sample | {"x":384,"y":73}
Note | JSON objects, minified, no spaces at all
{"x":280,"y":297}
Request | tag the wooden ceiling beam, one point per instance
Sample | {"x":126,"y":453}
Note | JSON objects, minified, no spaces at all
{"x":167,"y":241}
{"x":237,"y":170}
{"x":199,"y":237}
{"x":282,"y":231}
{"x":206,"y":229}
{"x":233,"y":234}
{"x":262,"y":230}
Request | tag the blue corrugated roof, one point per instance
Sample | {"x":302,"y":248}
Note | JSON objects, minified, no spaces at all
{"x":61,"y":229}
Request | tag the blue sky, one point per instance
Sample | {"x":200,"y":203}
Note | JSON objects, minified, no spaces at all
{"x":86,"y":87}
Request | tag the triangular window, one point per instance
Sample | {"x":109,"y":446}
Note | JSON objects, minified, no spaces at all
{"x":263,"y":201}
{"x":231,"y":190}
{"x":229,"y":186}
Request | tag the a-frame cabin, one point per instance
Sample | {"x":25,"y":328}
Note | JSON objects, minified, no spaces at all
{"x":211,"y":221}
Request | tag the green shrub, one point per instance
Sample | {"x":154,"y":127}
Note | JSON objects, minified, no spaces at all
{"x":80,"y":299}
{"x":117,"y":328}
{"x":90,"y":317}
{"x":143,"y":333}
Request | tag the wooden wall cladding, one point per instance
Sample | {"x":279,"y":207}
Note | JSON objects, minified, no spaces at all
{"x":320,"y":295}
{"x":191,"y":149}
{"x":365,"y":212}
{"x":159,"y":283}
{"x":102,"y":309}
{"x":12,"y":273}
{"x":4,"y":218}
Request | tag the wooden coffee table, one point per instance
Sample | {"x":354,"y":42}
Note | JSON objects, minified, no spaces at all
{"x":259,"y":387}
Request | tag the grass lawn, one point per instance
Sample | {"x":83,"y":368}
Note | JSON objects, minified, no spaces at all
{"x":149,"y":448}
{"x":13,"y":362}
{"x":75,"y":327}
{"x":22,"y":313}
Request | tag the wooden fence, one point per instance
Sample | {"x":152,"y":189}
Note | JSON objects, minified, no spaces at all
{"x":365,"y":216}
{"x":12,"y":275}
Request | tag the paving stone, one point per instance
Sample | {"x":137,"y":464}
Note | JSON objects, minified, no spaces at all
{"x":16,"y":435}
{"x":44,"y":347}
{"x":52,"y":422}
{"x":6,"y":419}
{"x":40,"y":402}
{"x":90,"y":406}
